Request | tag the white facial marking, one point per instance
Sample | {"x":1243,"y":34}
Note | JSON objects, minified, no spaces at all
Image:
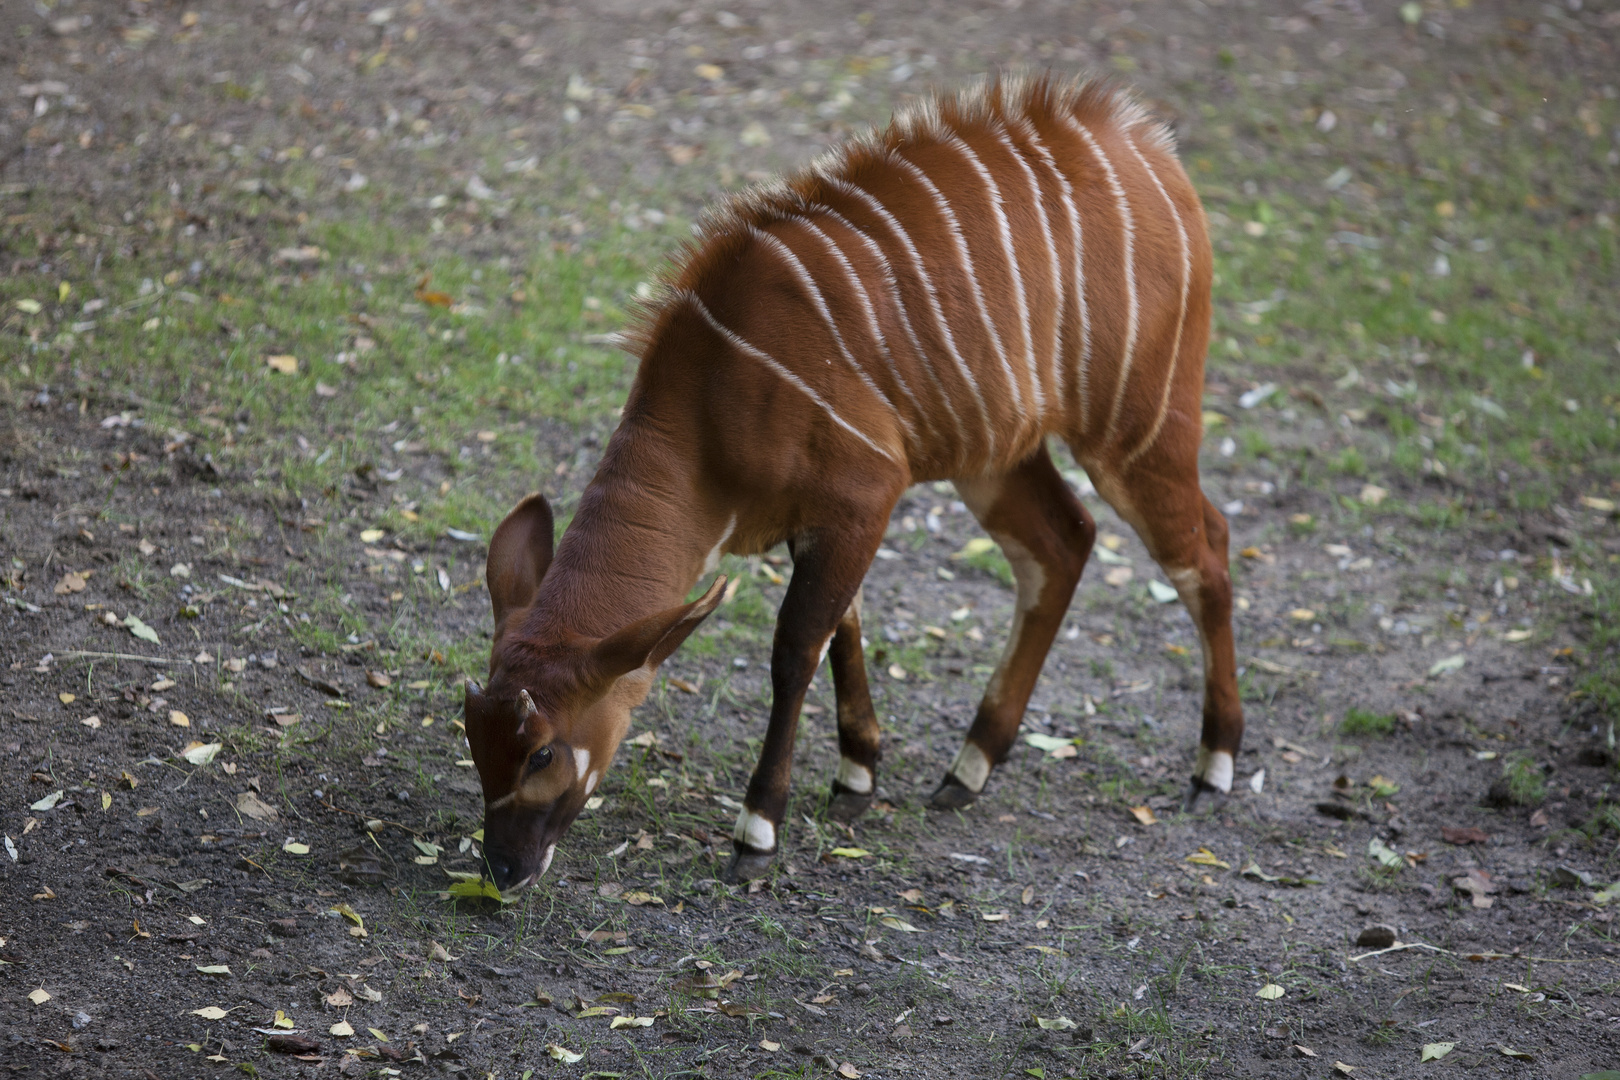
{"x":582,"y":761}
{"x":971,"y":767}
{"x":545,"y":861}
{"x":754,"y":831}
{"x":854,"y":776}
{"x":1215,"y":769}
{"x":590,"y":782}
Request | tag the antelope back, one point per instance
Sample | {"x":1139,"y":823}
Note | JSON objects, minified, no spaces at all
{"x":1024,"y":258}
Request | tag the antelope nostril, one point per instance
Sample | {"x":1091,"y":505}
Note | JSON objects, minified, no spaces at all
{"x":502,"y":869}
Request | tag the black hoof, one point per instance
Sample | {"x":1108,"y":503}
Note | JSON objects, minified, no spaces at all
{"x":846,"y":805}
{"x":1196,"y":788}
{"x":951,"y":794}
{"x":746,"y":864}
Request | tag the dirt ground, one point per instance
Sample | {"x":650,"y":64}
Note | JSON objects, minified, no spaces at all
{"x":1073,"y":922}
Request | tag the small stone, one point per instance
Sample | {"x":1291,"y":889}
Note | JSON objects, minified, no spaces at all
{"x":1376,"y":936}
{"x":81,"y":1019}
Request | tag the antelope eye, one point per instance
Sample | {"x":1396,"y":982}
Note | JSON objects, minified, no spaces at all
{"x":540,"y":759}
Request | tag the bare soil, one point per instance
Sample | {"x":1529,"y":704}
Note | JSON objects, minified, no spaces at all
{"x":1049,"y":898}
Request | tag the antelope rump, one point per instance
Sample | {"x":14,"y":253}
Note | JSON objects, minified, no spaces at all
{"x":928,"y":302}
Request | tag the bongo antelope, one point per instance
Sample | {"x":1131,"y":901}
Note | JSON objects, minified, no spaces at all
{"x":928,"y":302}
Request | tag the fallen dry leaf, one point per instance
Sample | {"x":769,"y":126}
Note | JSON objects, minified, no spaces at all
{"x":1469,"y":835}
{"x":285,"y":364}
{"x":1144,"y":814}
{"x":256,"y":808}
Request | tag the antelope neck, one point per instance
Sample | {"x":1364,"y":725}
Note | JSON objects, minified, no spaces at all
{"x":637,"y":542}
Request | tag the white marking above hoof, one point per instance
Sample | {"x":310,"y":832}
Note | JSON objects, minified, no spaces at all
{"x":755,"y":831}
{"x":854,"y":776}
{"x":1214,"y":769}
{"x":971,"y":768}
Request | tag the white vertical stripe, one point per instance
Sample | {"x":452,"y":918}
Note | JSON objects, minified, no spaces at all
{"x":957,"y":143}
{"x":1083,"y":361}
{"x":1181,"y":316}
{"x":893,"y":285}
{"x":954,"y":228}
{"x":808,"y":283}
{"x":737,"y":342}
{"x":1051,"y":258}
{"x":865,"y":301}
{"x":1128,"y":228}
{"x":888,"y":219}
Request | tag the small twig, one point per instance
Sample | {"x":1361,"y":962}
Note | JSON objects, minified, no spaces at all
{"x":1399,"y":945}
{"x":78,"y":655}
{"x":365,"y":817}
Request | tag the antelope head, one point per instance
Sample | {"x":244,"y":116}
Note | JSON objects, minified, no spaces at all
{"x":557,"y":705}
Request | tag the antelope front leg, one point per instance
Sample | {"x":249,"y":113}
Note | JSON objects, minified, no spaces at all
{"x":1046,"y":535}
{"x":827,"y":572}
{"x":858,"y":735}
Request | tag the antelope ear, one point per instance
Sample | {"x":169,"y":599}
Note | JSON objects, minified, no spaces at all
{"x":519,"y":553}
{"x":648,"y":642}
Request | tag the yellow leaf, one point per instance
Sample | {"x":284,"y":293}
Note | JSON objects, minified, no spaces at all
{"x":293,"y":847}
{"x":1057,"y":1023}
{"x":106,"y":800}
{"x":1270,"y":992}
{"x":215,"y":969}
{"x":979,"y":545}
{"x":287,"y":365}
{"x":342,"y":1029}
{"x":371,"y":536}
{"x":379,"y":1036}
{"x":1592,"y":502}
{"x":848,"y":1071}
{"x":178,"y":718}
{"x":641,"y":899}
{"x":631,"y":1022}
{"x":1372,"y":494}
{"x":39,"y":997}
{"x":201,"y":753}
{"x":895,"y":923}
{"x":995,"y":916}
{"x":768,"y":1046}
{"x":1204,"y":857}
{"x":66,"y":698}
{"x":850,"y":852}
{"x":282,"y":1020}
{"x":563,"y":1054}
{"x":1301,"y":614}
{"x":1144,"y":814}
{"x":1435,"y":1051}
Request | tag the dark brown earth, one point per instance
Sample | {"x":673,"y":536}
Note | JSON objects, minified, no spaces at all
{"x":1051,"y":898}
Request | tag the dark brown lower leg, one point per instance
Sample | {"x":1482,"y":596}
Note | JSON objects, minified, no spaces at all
{"x":828,"y":567}
{"x":1046,"y":535}
{"x":858,"y":734}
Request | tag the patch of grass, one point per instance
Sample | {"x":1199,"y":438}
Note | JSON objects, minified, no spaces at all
{"x":1601,"y":681}
{"x":1359,"y":723}
{"x":1523,"y":783}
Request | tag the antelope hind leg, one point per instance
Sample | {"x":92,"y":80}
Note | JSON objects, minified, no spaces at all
{"x":1046,"y":535}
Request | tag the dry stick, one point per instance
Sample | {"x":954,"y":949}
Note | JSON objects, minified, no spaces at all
{"x":1398,"y":946}
{"x":122,"y":656}
{"x":365,"y":817}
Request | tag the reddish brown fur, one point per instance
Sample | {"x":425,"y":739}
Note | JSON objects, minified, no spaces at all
{"x":802,"y":371}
